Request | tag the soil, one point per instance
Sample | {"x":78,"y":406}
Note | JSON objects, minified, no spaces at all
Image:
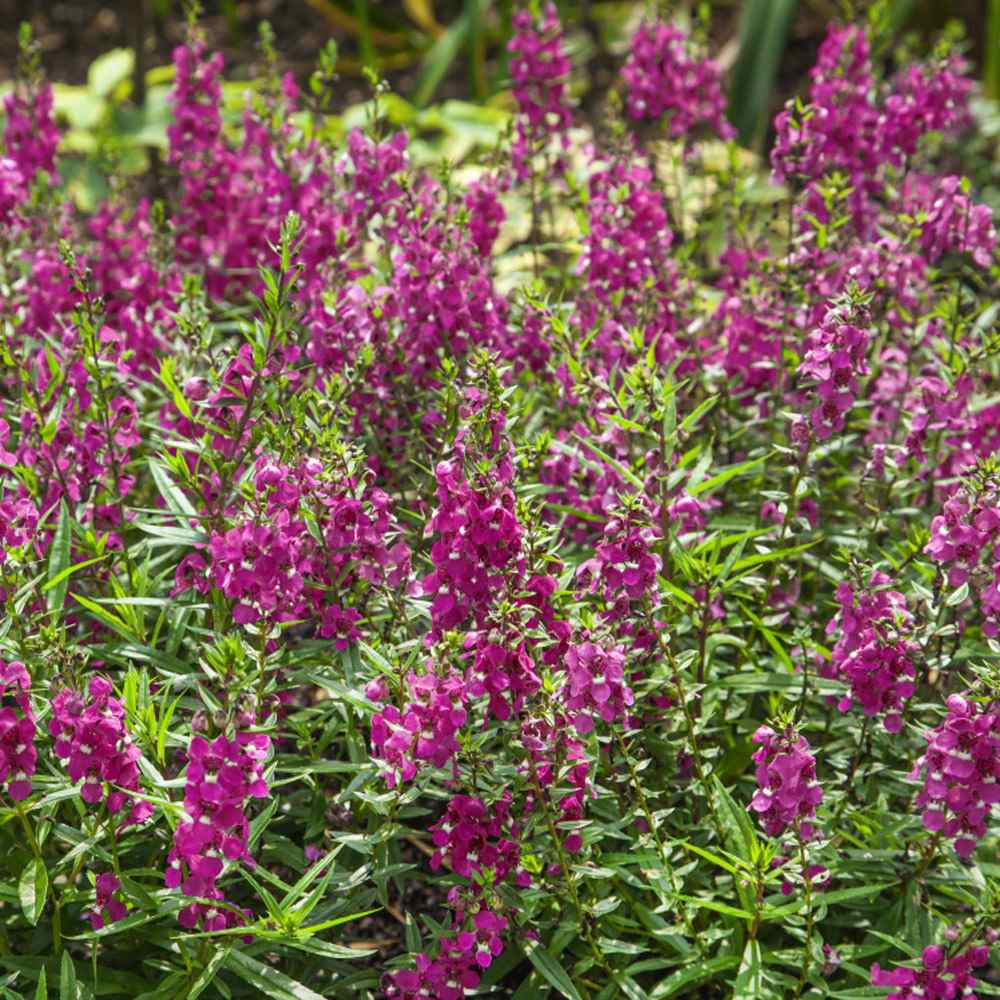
{"x":73,"y":32}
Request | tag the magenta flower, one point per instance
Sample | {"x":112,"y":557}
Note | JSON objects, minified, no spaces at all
{"x":425,"y":730}
{"x":664,"y":77}
{"x":108,"y":906}
{"x":446,"y":977}
{"x":787,"y":790}
{"x":539,"y":70}
{"x":872,"y":653}
{"x":91,"y":736}
{"x":222,"y":776}
{"x":938,"y":977}
{"x":595,"y":685}
{"x":472,"y":838}
{"x":961,"y":772}
{"x":18,"y":757}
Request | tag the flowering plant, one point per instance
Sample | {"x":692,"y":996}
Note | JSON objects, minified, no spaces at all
{"x":572,"y":572}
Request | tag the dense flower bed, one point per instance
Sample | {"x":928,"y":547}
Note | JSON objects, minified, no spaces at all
{"x":574,"y":572}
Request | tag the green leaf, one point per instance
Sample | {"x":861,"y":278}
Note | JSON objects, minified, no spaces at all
{"x":697,"y":972}
{"x":991,"y":50}
{"x":749,"y":983}
{"x":763,"y":33}
{"x":443,"y":53}
{"x":109,"y":70}
{"x":689,"y":422}
{"x":553,"y":972}
{"x":58,"y":582}
{"x":208,"y":973}
{"x":32,"y":890}
{"x":172,"y":495}
{"x":42,"y":990}
{"x":713,"y":904}
{"x":736,"y":824}
{"x":269,"y":981}
{"x":69,"y":571}
{"x":710,"y":856}
{"x":113,"y":621}
{"x":67,"y":978}
{"x":729,"y":472}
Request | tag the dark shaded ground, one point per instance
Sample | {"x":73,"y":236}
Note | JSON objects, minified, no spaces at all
{"x":73,"y":32}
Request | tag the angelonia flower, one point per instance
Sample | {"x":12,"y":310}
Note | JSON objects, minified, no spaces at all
{"x":836,"y":131}
{"x":486,"y":214}
{"x":478,"y":541}
{"x":546,"y":743}
{"x":471,"y":838}
{"x":424,"y":730}
{"x":90,"y":735}
{"x":18,"y":756}
{"x":949,"y":221}
{"x":665,"y":78}
{"x":628,"y":273}
{"x":272,"y":566}
{"x":108,"y":906}
{"x":835,"y":358}
{"x":845,"y":127}
{"x":787,"y":790}
{"x":926,"y":97}
{"x":965,"y":537}
{"x":477,"y":842}
{"x":539,"y":72}
{"x":483,"y":940}
{"x":222,"y":776}
{"x":939,"y":977}
{"x":595,"y":685}
{"x":445,"y":977}
{"x":961,"y":773}
{"x":12,"y":190}
{"x":503,"y":669}
{"x":625,"y":564}
{"x":872,"y":653}
{"x":31,"y":136}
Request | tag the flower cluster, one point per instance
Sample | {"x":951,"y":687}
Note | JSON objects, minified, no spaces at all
{"x":925,"y":98}
{"x":787,"y":790}
{"x":272,"y":565}
{"x":836,"y":130}
{"x":31,"y":135}
{"x":478,"y":542}
{"x":871,"y":653}
{"x":108,"y":905}
{"x":549,"y":745}
{"x":624,"y":569}
{"x":834,"y":359}
{"x":426,"y":728}
{"x":539,"y":71}
{"x":939,"y":977}
{"x":949,"y":221}
{"x":222,"y":775}
{"x":446,"y":977}
{"x":18,"y":756}
{"x":595,"y":685}
{"x":503,"y":668}
{"x":847,"y":128}
{"x":964,"y":538}
{"x":664,"y":77}
{"x":90,"y":735}
{"x":472,"y":838}
{"x":961,"y":772}
{"x":629,"y":275}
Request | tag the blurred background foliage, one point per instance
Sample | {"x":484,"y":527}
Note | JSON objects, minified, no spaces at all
{"x":443,"y":61}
